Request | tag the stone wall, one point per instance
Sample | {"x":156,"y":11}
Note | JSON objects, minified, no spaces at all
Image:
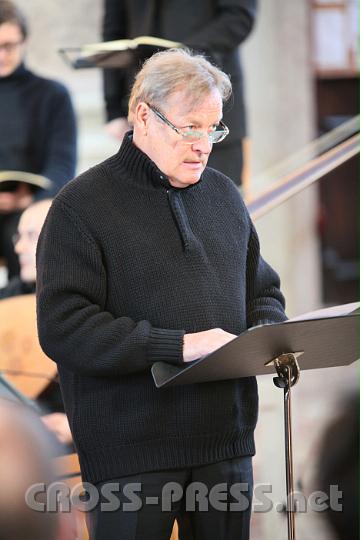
{"x":53,"y":26}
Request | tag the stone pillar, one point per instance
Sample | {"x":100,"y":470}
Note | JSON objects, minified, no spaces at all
{"x":278,"y":86}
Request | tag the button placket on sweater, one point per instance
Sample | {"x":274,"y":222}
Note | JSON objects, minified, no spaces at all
{"x":181,"y":218}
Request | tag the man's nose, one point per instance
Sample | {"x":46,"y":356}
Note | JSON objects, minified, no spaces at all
{"x":203,"y":145}
{"x":18,"y":247}
{"x":20,"y":243}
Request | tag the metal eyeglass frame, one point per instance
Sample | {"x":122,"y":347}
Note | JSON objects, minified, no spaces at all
{"x":197,"y":134}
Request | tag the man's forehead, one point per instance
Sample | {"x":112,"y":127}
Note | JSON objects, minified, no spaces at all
{"x":31,"y":220}
{"x":36,"y":213}
{"x":10,"y":30}
{"x":187,"y":106}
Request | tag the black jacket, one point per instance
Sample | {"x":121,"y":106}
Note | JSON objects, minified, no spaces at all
{"x":37,"y":128}
{"x":16,"y":287}
{"x":127,"y":265}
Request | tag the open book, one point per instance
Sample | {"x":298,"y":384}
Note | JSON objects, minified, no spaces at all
{"x":120,"y":53}
{"x":9,"y":180}
{"x":323,"y":338}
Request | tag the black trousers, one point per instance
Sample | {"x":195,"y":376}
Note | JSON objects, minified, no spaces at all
{"x":211,"y":502}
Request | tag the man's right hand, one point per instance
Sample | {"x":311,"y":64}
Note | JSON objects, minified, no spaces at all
{"x":202,"y":343}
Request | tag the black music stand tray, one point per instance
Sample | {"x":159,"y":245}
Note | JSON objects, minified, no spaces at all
{"x":324,"y":338}
{"x":9,"y":392}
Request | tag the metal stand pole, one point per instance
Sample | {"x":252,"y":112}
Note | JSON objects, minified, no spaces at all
{"x":288,"y":375}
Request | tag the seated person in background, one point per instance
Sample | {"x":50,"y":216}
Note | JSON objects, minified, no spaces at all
{"x":25,"y":460}
{"x":25,"y":241}
{"x":339,"y":466}
{"x":37,"y":128}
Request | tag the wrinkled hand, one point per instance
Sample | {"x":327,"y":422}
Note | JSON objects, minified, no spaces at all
{"x":11,"y":201}
{"x":202,"y":343}
{"x":59,"y":425}
{"x":117,"y":128}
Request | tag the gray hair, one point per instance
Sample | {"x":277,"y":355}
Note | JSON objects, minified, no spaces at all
{"x":176,"y":70}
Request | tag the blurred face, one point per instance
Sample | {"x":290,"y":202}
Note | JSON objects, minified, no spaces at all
{"x":181,"y":162}
{"x":12,"y":48}
{"x":29,"y":229}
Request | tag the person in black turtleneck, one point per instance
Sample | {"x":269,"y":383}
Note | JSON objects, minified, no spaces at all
{"x":37,"y":128}
{"x":152,"y":256}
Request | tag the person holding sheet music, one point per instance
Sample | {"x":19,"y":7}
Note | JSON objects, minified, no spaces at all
{"x":215,"y":28}
{"x":152,"y":256}
{"x":37,"y":128}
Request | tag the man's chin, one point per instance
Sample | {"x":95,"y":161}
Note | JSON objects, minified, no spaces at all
{"x":6,"y":69}
{"x":194,"y":178}
{"x":27,"y":277}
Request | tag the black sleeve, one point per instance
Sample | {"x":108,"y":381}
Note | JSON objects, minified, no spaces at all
{"x":60,"y":150}
{"x":232,"y":24}
{"x":74,"y":327}
{"x":264,"y":300}
{"x":115,"y":80}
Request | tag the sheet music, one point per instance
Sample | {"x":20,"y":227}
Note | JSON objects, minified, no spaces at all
{"x":335,"y":311}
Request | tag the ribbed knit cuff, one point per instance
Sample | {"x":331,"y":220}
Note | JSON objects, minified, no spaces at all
{"x":262,"y":322}
{"x":278,"y":318}
{"x":166,"y":346}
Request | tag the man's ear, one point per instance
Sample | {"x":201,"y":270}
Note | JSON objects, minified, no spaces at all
{"x":141,"y":117}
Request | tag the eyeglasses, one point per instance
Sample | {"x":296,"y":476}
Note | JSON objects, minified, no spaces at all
{"x":29,"y":236}
{"x":10,"y":47}
{"x":190,"y":136}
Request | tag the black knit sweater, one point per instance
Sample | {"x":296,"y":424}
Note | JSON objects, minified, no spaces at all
{"x":126,"y":265}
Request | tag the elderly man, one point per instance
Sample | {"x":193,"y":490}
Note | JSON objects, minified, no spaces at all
{"x":25,"y":240}
{"x":152,"y":256}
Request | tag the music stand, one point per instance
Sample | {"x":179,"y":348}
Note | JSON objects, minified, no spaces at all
{"x":324,"y":338}
{"x":8,"y":391}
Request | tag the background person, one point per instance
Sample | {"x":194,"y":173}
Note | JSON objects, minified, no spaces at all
{"x":29,"y":228}
{"x":216,"y":28}
{"x":25,"y":241}
{"x":25,"y":459}
{"x":37,"y":127}
{"x":152,"y":256}
{"x":338,"y":465}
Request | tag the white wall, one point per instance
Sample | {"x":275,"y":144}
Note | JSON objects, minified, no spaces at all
{"x":281,"y":121}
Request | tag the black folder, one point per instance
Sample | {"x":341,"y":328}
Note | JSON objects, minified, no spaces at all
{"x":325,"y":338}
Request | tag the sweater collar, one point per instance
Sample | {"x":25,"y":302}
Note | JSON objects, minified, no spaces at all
{"x":142,"y":170}
{"x":20,"y":72}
